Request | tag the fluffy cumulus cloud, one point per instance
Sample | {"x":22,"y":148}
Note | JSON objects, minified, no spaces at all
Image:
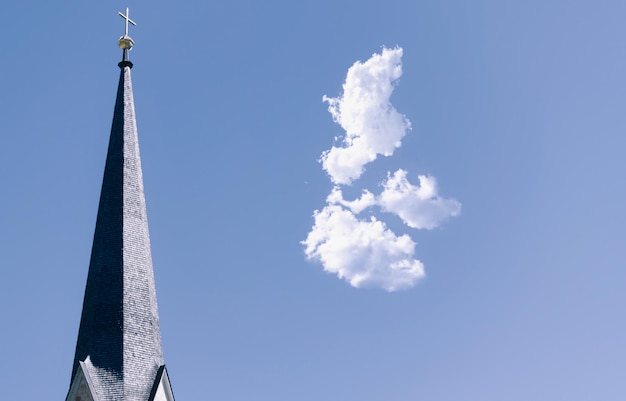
{"x":373,"y":126}
{"x":363,"y":250}
{"x":419,"y":206}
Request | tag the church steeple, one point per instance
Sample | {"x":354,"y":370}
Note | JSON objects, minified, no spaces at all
{"x":118,"y":351}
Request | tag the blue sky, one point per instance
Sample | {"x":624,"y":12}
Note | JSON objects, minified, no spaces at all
{"x":515,"y":107}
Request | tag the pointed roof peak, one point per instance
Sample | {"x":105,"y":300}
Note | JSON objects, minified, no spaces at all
{"x":119,"y":340}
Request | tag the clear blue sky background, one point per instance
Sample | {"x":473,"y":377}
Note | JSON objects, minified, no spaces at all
{"x":517,"y":109}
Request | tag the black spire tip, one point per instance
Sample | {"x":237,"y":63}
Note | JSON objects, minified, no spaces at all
{"x":125,"y":61}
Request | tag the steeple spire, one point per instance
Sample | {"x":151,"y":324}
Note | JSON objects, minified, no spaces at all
{"x":118,"y":351}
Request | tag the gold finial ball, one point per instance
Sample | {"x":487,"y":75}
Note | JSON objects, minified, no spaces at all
{"x":126,"y":42}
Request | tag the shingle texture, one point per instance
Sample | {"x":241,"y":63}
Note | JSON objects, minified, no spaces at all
{"x":119,"y":336}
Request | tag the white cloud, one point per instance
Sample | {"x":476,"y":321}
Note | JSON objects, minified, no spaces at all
{"x":373,"y":126}
{"x":356,"y":206}
{"x":418,"y":206}
{"x":364,"y":253}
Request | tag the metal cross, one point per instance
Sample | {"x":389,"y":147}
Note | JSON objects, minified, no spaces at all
{"x":127,"y":18}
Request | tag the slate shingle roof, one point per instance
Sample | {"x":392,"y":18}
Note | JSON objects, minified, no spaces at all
{"x":119,"y":333}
